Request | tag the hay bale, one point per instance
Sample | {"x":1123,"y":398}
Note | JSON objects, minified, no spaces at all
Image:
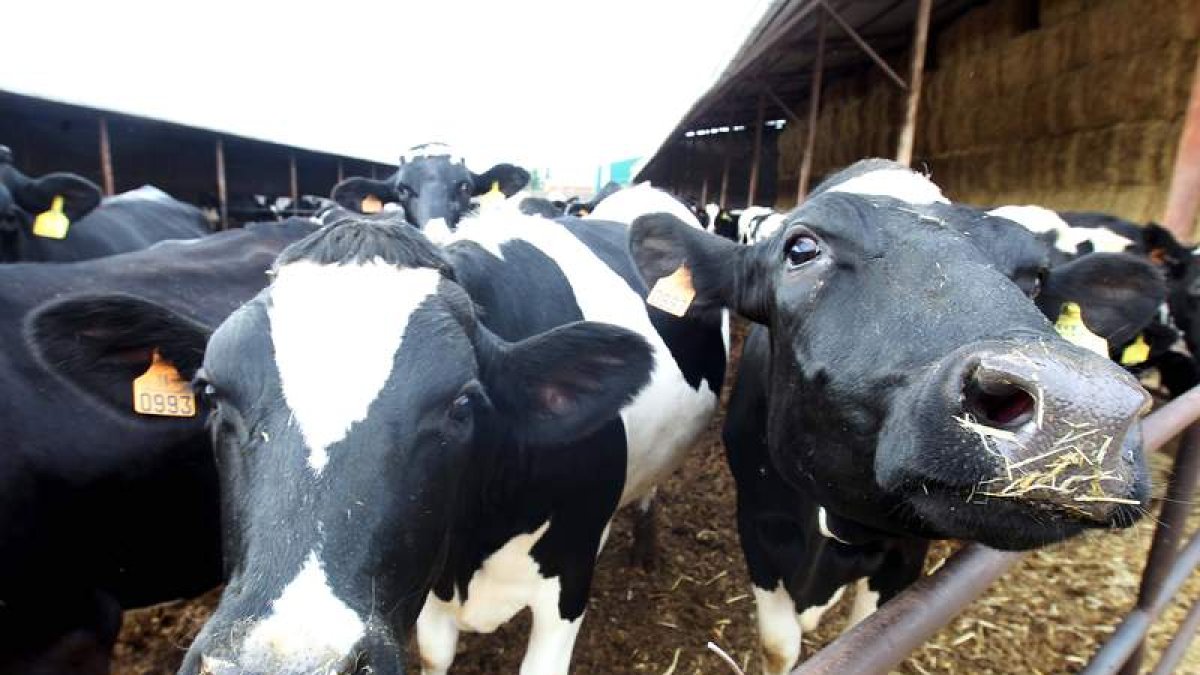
{"x":1054,"y":12}
{"x":1018,"y":61}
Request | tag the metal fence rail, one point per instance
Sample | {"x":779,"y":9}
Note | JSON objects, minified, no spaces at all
{"x":887,"y":637}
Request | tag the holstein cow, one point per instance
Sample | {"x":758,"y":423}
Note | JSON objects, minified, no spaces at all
{"x":105,"y":508}
{"x":434,"y":186}
{"x":896,"y":389}
{"x":460,"y":453}
{"x":23,"y":198}
{"x":758,"y":223}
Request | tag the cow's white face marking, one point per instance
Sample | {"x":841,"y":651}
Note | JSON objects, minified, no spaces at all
{"x":902,"y":184}
{"x":437,"y":231}
{"x":336,"y":330}
{"x":823,"y":526}
{"x":432,"y":150}
{"x":626,"y":205}
{"x":308,"y":627}
{"x":778,"y":629}
{"x":1039,"y":220}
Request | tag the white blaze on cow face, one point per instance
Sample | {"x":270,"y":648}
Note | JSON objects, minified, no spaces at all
{"x":432,"y":150}
{"x":308,"y":627}
{"x":336,"y":329}
{"x":1039,"y":220}
{"x":903,"y":184}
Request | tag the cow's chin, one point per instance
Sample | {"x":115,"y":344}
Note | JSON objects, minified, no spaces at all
{"x":1004,"y":523}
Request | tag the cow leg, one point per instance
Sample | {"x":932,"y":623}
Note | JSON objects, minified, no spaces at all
{"x":866,"y":601}
{"x":778,"y":629}
{"x":811,"y":617}
{"x":552,"y":638}
{"x":644,"y":552}
{"x":437,"y":635}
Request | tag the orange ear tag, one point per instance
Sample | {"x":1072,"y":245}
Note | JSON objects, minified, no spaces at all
{"x":674,"y":293}
{"x":370,"y":204}
{"x":161,"y":391}
{"x":52,"y":223}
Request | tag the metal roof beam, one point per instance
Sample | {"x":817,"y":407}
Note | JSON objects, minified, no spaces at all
{"x":862,"y":44}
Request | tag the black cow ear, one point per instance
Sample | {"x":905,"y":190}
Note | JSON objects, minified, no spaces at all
{"x":719,"y":270}
{"x":510,"y":179}
{"x":101,"y":343}
{"x":565,"y":383}
{"x":364,"y":195}
{"x":79,"y":194}
{"x":1163,"y":248}
{"x":1118,"y":294}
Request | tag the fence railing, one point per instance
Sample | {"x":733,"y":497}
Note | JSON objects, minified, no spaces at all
{"x":886,"y":638}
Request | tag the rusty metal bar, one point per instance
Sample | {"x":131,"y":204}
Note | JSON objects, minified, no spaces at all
{"x":295,"y":183}
{"x":725,"y":181}
{"x":341,"y":174}
{"x":908,"y":132}
{"x":756,"y":157}
{"x":884,"y":639}
{"x":704,"y":192}
{"x":1131,"y":632}
{"x":1172,"y":521}
{"x":1183,"y":199}
{"x":106,"y":165}
{"x":1178,"y":647}
{"x":814,"y":109}
{"x":222,"y":195}
{"x":862,"y":44}
{"x":795,"y":119}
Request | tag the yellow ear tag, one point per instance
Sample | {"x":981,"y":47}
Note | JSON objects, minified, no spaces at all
{"x":370,"y":204}
{"x":495,"y":191}
{"x":1071,"y":327}
{"x":53,"y":223}
{"x":161,"y":391}
{"x":1137,"y":352}
{"x":674,"y":293}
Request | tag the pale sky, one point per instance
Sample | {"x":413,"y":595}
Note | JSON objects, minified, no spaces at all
{"x":565,"y":84}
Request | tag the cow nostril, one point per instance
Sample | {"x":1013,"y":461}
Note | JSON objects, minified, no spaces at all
{"x":998,"y":404}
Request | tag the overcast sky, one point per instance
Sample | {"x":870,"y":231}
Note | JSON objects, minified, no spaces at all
{"x":563,"y":83}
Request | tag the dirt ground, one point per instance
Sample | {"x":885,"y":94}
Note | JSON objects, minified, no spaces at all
{"x":1048,"y":615}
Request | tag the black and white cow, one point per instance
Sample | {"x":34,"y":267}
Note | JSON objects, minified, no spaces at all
{"x":23,"y":198}
{"x":757,"y":223}
{"x":897,"y":388}
{"x":456,"y":457}
{"x":434,"y":186}
{"x":104,"y":508}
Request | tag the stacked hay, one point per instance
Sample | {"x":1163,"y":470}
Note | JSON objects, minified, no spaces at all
{"x":1083,"y":112}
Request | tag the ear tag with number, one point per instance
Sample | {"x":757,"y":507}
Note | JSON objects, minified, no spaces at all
{"x":1071,"y":327}
{"x":674,"y":293}
{"x":162,"y":391}
{"x":1137,"y":352}
{"x":53,"y":223}
{"x":370,"y":204}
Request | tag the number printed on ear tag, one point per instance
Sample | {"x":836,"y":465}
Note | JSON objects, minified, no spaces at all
{"x":674,"y":293}
{"x":161,"y":391}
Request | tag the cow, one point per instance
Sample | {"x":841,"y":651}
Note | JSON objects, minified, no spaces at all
{"x":756,"y":223}
{"x":895,"y":388}
{"x":434,"y":186}
{"x":104,"y":508}
{"x":457,"y":457}
{"x":22,"y":199}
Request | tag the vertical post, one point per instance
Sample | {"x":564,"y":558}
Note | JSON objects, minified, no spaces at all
{"x":814,"y":108}
{"x":1168,"y":534}
{"x":703,"y":192}
{"x":373,"y":174}
{"x":295,"y":184}
{"x":106,"y":167}
{"x":1183,"y":200}
{"x":341,"y":171}
{"x":222,"y":196}
{"x":756,"y":157}
{"x":904,"y":148}
{"x":725,"y":181}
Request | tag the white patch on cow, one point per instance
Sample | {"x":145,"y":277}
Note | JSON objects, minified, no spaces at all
{"x":437,"y":230}
{"x":713,"y":211}
{"x":811,"y":617}
{"x":308,"y":627}
{"x":335,"y":343}
{"x":725,"y":337}
{"x":746,"y":220}
{"x":437,"y":635}
{"x":866,"y":601}
{"x":778,"y":629}
{"x":1039,"y":220}
{"x":768,"y":227}
{"x":552,"y":638}
{"x":432,"y":150}
{"x":147,"y":193}
{"x":506,"y":583}
{"x":625,"y":206}
{"x":668,"y":415}
{"x":823,"y":526}
{"x":903,"y":184}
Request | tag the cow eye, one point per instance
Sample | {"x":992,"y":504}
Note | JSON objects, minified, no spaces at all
{"x":460,"y":408}
{"x":801,"y":249}
{"x":466,"y":188}
{"x":203,"y":387}
{"x":404,"y":191}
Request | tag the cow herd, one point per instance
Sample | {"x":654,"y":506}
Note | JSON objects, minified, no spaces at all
{"x":416,"y":413}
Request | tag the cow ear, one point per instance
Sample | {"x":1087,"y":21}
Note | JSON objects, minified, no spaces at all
{"x":510,"y":179}
{"x":565,"y":383}
{"x":1118,"y":294}
{"x":663,"y":245}
{"x":1163,"y":248}
{"x":101,"y":343}
{"x":359,"y":194}
{"x":79,"y":194}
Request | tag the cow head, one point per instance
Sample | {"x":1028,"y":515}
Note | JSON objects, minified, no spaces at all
{"x":912,"y":386}
{"x":433,"y":185}
{"x":355,"y":400}
{"x":22,"y":198}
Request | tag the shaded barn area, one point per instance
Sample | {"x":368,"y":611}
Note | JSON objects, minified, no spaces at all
{"x":210,"y":169}
{"x":1071,"y":104}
